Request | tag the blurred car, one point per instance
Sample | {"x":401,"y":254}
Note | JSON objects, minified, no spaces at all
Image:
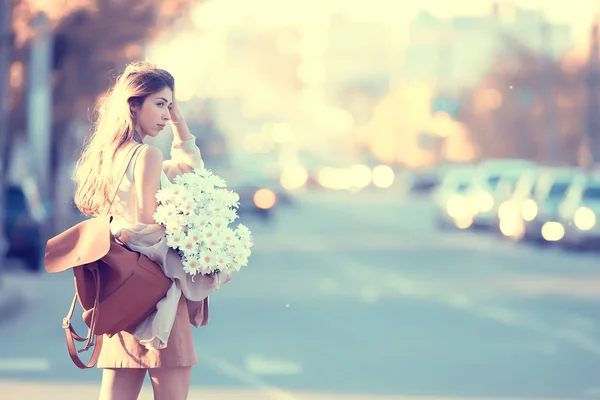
{"x":23,"y":229}
{"x":259,"y":195}
{"x":579,"y":211}
{"x":354,"y":178}
{"x":256,"y":200}
{"x":451,"y":205}
{"x":485,"y":195}
{"x":513,"y":212}
{"x":541,"y":222}
{"x":533,"y":213}
{"x":505,"y":189}
{"x":421,"y":180}
{"x":258,"y":170}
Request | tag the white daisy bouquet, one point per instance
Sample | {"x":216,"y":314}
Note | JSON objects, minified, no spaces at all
{"x":197,"y":211}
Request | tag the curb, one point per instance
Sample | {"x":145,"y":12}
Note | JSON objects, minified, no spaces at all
{"x":51,"y":391}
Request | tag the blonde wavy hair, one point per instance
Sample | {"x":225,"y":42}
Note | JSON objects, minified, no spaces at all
{"x":114,"y":128}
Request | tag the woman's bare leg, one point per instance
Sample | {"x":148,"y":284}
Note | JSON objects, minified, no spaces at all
{"x":121,"y":383}
{"x":170,"y":383}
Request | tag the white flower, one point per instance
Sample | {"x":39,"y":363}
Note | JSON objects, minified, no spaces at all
{"x":202,"y":222}
{"x":183,"y":196}
{"x":244,"y":240}
{"x":202,"y":172}
{"x":241,"y":258}
{"x":235,"y":245}
{"x":216,"y":209}
{"x":209,"y":233}
{"x":237,"y":259}
{"x":191,"y":265}
{"x":227,"y":198}
{"x":214,"y":242}
{"x":196,"y":211}
{"x":174,"y":239}
{"x":236,"y":266}
{"x":219,"y":223}
{"x":228,"y":214}
{"x":242,"y":231}
{"x":233,"y":199}
{"x":164,"y":213}
{"x":160,"y":216}
{"x":188,"y":246}
{"x":216,"y":181}
{"x":209,"y":191}
{"x":208,"y":261}
{"x":195,"y":235}
{"x":221,"y":260}
{"x":187,"y":222}
{"x":176,"y":190}
{"x":185,"y":179}
{"x":187,"y":206}
{"x":246,"y":245}
{"x":228,"y":235}
{"x":174,"y":223}
{"x":164,"y":196}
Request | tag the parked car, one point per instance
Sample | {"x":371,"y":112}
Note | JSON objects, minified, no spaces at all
{"x":484,"y":196}
{"x":421,"y":180}
{"x":542,"y":223}
{"x":23,"y":228}
{"x":578,"y":213}
{"x":256,"y":199}
{"x":518,"y":208}
{"x":452,"y":207}
{"x":532,"y":211}
{"x":259,"y":195}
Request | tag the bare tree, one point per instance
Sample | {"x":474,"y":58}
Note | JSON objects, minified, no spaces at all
{"x":506,"y":112}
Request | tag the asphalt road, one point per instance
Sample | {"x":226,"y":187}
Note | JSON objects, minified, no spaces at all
{"x":358,"y":294}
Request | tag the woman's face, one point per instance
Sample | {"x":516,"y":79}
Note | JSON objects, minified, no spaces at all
{"x":152,"y":116}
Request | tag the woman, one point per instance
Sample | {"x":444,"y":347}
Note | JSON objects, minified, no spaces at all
{"x":140,"y":105}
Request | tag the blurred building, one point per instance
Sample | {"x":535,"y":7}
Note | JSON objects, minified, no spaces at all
{"x":263,"y":63}
{"x":344,"y":70}
{"x":357,"y":52}
{"x":454,"y":53}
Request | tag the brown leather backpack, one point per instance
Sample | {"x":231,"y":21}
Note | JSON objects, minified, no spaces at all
{"x":116,"y":287}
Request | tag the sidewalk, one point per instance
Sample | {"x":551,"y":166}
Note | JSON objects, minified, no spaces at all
{"x":14,"y":390}
{"x":14,"y":289}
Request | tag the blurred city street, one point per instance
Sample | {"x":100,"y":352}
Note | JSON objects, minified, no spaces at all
{"x":421,"y":179}
{"x":349,"y":295}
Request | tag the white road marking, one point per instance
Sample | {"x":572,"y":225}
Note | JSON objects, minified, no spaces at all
{"x":24,"y":365}
{"x":349,"y":268}
{"x":248,"y":378}
{"x":261,"y":365}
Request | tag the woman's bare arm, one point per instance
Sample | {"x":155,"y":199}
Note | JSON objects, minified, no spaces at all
{"x":148,"y":169}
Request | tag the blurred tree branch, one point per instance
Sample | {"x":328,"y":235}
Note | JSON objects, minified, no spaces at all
{"x":505,"y":113}
{"x":94,"y":39}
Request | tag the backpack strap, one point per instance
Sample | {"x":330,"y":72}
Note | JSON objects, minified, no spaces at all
{"x":93,"y":340}
{"x":131,"y":154}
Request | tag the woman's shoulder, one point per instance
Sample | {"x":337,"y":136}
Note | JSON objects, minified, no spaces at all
{"x":127,"y":152}
{"x":139,"y":153}
{"x":149,"y":161}
{"x":150,"y":155}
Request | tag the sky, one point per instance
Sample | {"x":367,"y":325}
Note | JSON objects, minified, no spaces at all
{"x":274,"y":10}
{"x":578,"y":13}
{"x":216,"y":17}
